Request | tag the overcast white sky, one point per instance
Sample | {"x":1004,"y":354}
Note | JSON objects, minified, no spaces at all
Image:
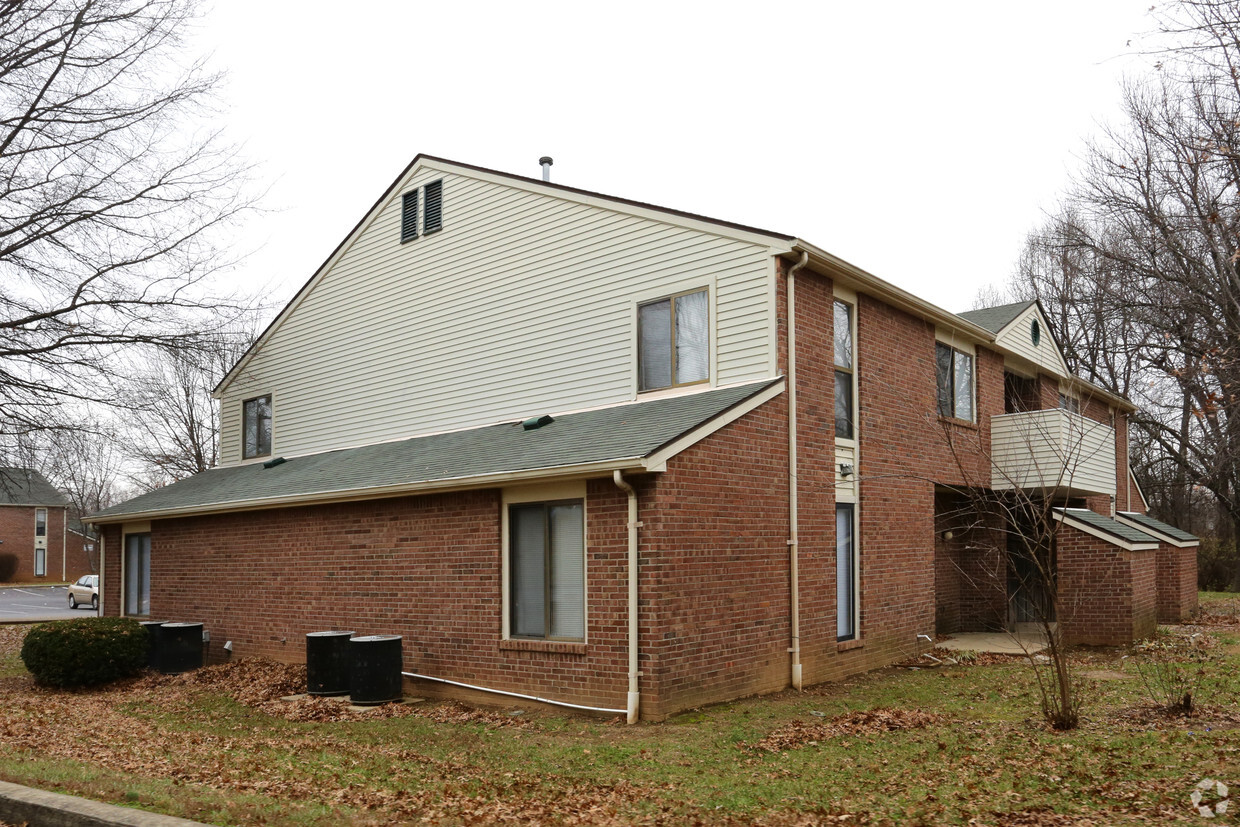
{"x":920,"y":141}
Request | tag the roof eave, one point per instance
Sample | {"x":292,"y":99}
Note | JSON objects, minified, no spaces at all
{"x":588,"y":469}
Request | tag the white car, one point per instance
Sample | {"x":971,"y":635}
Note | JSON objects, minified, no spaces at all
{"x":85,"y":590}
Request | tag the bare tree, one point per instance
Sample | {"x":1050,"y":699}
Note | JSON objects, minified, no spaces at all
{"x":112,"y":196}
{"x":174,"y":430}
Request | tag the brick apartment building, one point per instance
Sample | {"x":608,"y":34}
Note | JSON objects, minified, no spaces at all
{"x":33,"y":530}
{"x":636,"y":460}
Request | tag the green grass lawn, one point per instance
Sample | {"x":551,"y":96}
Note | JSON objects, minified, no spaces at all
{"x":960,"y":744}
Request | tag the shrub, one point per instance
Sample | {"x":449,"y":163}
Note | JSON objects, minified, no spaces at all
{"x":8,"y":566}
{"x":85,"y":652}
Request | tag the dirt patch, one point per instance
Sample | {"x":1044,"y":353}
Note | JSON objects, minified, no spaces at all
{"x":871,"y":722}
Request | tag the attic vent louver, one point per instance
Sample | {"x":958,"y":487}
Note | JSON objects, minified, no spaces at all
{"x":433,"y":219}
{"x":536,"y":422}
{"x":272,"y":463}
{"x":409,"y":216}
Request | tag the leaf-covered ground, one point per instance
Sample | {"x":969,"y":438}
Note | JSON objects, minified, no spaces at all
{"x":913,"y":745}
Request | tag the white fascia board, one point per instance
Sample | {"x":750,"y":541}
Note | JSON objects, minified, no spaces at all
{"x":870,"y":284}
{"x":1132,"y":478}
{"x":581,"y":470}
{"x":1068,"y":519}
{"x":657,"y":461}
{"x":1153,"y":532}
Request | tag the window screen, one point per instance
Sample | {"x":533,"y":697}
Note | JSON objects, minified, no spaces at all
{"x":137,"y":575}
{"x":673,"y":341}
{"x":256,"y":427}
{"x":547,"y":570}
{"x":845,"y":574}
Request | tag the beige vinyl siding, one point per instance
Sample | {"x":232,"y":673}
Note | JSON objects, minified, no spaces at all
{"x":1052,"y":448}
{"x":522,"y":304}
{"x":1016,"y":338}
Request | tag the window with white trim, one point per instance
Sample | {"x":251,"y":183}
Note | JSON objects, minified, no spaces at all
{"x":547,"y":599}
{"x":137,"y":575}
{"x":845,"y":572}
{"x":673,"y":341}
{"x":954,"y":370}
{"x":843,"y":370}
{"x":256,"y":427}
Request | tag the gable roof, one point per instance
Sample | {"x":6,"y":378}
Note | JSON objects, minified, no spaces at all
{"x":637,"y":436}
{"x":627,"y":205}
{"x":25,"y":486}
{"x":995,"y":319}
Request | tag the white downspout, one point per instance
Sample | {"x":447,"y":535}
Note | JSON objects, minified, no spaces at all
{"x":102,"y":583}
{"x":634,"y":698}
{"x":64,"y":544}
{"x":793,"y":519}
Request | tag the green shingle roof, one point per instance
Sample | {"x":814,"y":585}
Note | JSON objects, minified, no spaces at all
{"x":23,"y":486}
{"x":1159,"y":526}
{"x":608,"y":434}
{"x":995,"y":319}
{"x":1106,"y":525}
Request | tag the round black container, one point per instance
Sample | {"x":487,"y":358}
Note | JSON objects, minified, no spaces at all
{"x":375,"y":677}
{"x":180,"y":648}
{"x":154,"y":639}
{"x":327,"y":663}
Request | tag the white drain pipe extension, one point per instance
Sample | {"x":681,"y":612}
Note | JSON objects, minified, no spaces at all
{"x":793,"y":518}
{"x":634,"y":699}
{"x":565,"y":704}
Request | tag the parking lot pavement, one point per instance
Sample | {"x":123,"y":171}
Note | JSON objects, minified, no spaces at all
{"x":25,"y":604}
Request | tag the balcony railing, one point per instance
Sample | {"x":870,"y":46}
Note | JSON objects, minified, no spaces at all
{"x":1052,"y":450}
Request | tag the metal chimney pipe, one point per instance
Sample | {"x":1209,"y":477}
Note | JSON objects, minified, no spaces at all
{"x":546,"y":167}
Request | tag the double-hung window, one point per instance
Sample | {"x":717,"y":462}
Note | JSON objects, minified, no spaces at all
{"x":40,"y":542}
{"x":1069,"y":403}
{"x":843,"y":371}
{"x":673,"y":341}
{"x":138,"y":575}
{"x":955,"y":382}
{"x":256,"y":427}
{"x":547,"y":570}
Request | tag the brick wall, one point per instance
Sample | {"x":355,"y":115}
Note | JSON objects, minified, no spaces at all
{"x":1107,"y":595}
{"x":1177,"y":582}
{"x":970,"y":582}
{"x":17,"y":536}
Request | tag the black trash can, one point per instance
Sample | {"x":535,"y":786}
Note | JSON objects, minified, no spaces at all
{"x":327,"y":663}
{"x":180,"y":648}
{"x":376,"y":662}
{"x":154,"y":640}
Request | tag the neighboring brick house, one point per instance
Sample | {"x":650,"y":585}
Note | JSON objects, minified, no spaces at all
{"x":545,"y":435}
{"x":33,"y":530}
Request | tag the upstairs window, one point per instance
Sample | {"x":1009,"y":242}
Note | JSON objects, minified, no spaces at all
{"x":955,"y":382}
{"x":40,"y":522}
{"x":843,"y":371}
{"x":256,"y":427}
{"x":673,"y":339}
{"x":1069,"y":403}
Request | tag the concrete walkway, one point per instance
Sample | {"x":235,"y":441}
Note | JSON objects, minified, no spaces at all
{"x":20,"y":804}
{"x":1022,"y":642}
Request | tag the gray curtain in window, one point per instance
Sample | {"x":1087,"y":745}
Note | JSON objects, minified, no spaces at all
{"x":568,"y":597}
{"x":692,"y":351}
{"x":654,"y":323}
{"x":964,"y":386}
{"x":527,"y":527}
{"x":138,"y":574}
{"x":845,"y":574}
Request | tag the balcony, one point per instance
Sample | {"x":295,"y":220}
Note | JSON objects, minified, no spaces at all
{"x":1053,"y":450}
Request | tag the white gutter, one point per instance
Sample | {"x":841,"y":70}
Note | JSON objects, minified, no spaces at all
{"x":793,"y":516}
{"x":634,"y":696}
{"x":514,"y":694}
